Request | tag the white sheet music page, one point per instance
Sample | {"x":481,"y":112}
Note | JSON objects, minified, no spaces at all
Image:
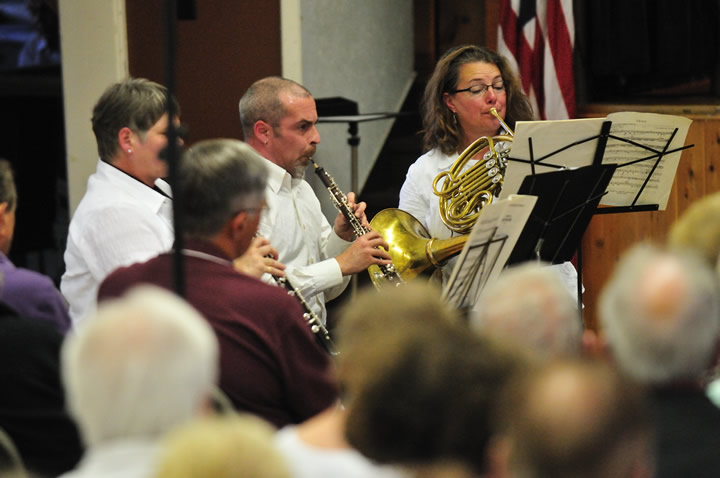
{"x":652,"y":131}
{"x":488,"y":249}
{"x":548,"y":137}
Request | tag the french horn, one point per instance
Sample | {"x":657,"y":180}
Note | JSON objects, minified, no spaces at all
{"x":463,"y":192}
{"x":462,"y":197}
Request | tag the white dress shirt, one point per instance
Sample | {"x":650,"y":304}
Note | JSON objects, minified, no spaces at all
{"x":307,"y":461}
{"x":306,"y":242}
{"x":118,"y":459}
{"x":118,"y":222}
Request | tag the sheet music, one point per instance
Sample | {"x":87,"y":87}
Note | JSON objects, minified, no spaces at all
{"x":548,"y":137}
{"x":488,"y":248}
{"x":652,"y":130}
{"x":649,"y":129}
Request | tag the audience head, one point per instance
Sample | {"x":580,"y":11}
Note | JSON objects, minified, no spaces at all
{"x":425,"y":393}
{"x":8,"y":205}
{"x":130,"y":121}
{"x":529,"y":306}
{"x":698,"y":229}
{"x":573,"y":419}
{"x":660,"y":314}
{"x":278,"y":118}
{"x":222,"y":182}
{"x":11,"y":465}
{"x":221,"y":447}
{"x":144,"y":364}
{"x":446,"y":129}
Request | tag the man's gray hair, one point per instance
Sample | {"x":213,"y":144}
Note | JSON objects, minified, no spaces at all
{"x":262,"y":102}
{"x":660,"y":312}
{"x":219,"y":178}
{"x":142,"y":365}
{"x":8,"y":191}
{"x":530,"y":305}
{"x":135,"y":103}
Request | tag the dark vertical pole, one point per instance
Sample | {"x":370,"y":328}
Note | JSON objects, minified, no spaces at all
{"x":173,"y":150}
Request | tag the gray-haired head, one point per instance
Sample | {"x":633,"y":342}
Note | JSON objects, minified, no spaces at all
{"x":8,"y":192}
{"x":530,"y":306}
{"x":262,"y":102}
{"x":135,"y":103}
{"x":142,"y":365}
{"x":660,"y":312}
{"x":219,"y":178}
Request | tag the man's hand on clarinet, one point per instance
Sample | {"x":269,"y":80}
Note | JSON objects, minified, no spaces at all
{"x":342,"y":226}
{"x":258,"y":259}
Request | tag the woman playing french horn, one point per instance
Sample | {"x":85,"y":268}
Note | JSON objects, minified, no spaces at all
{"x":468,"y":81}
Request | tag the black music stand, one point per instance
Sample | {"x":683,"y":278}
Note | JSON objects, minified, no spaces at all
{"x":566,"y":202}
{"x":343,"y":110}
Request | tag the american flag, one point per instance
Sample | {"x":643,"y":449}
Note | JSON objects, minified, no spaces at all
{"x":537,"y":37}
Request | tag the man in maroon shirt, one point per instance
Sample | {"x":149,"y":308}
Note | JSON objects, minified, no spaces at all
{"x":270,"y":363}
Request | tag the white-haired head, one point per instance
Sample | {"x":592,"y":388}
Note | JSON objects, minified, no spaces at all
{"x":660,"y":312}
{"x":143,"y":364}
{"x":529,"y":305}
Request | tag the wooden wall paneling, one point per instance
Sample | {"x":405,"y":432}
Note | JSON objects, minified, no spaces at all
{"x":229,"y":45}
{"x":711,"y":145}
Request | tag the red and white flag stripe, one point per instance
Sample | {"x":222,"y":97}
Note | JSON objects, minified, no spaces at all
{"x":537,"y":37}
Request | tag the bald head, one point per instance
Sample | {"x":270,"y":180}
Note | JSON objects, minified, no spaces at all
{"x":575,"y":419}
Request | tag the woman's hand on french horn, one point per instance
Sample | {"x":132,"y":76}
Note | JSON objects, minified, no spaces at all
{"x":260,"y":258}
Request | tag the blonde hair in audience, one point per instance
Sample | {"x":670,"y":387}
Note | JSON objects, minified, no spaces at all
{"x":698,"y":229}
{"x":231,"y":446}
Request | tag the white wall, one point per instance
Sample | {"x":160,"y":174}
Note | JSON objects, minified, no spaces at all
{"x":94,"y":55}
{"x":358,"y":49}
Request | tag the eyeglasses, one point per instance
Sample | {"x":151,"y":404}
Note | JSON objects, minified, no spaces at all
{"x":482,"y":88}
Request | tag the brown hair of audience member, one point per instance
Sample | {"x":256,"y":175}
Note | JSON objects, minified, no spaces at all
{"x":228,"y":446}
{"x":427,"y":383}
{"x":573,"y":419}
{"x":698,"y":229}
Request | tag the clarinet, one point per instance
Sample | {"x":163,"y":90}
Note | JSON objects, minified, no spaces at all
{"x":340,"y":200}
{"x":316,"y":326}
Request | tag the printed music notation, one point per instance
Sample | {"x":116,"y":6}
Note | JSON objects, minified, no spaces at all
{"x":642,"y":137}
{"x":488,"y":248}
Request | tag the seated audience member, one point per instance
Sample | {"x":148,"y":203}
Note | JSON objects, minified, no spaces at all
{"x":143,"y":365}
{"x":572,"y":419}
{"x":11,"y":465}
{"x":698,"y":230}
{"x":318,"y":447}
{"x":231,"y":446}
{"x":125,"y":215}
{"x":271,"y":364}
{"x":529,"y":306}
{"x":30,"y":294}
{"x":660,"y":312}
{"x":32,"y":402}
{"x":420,"y":388}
